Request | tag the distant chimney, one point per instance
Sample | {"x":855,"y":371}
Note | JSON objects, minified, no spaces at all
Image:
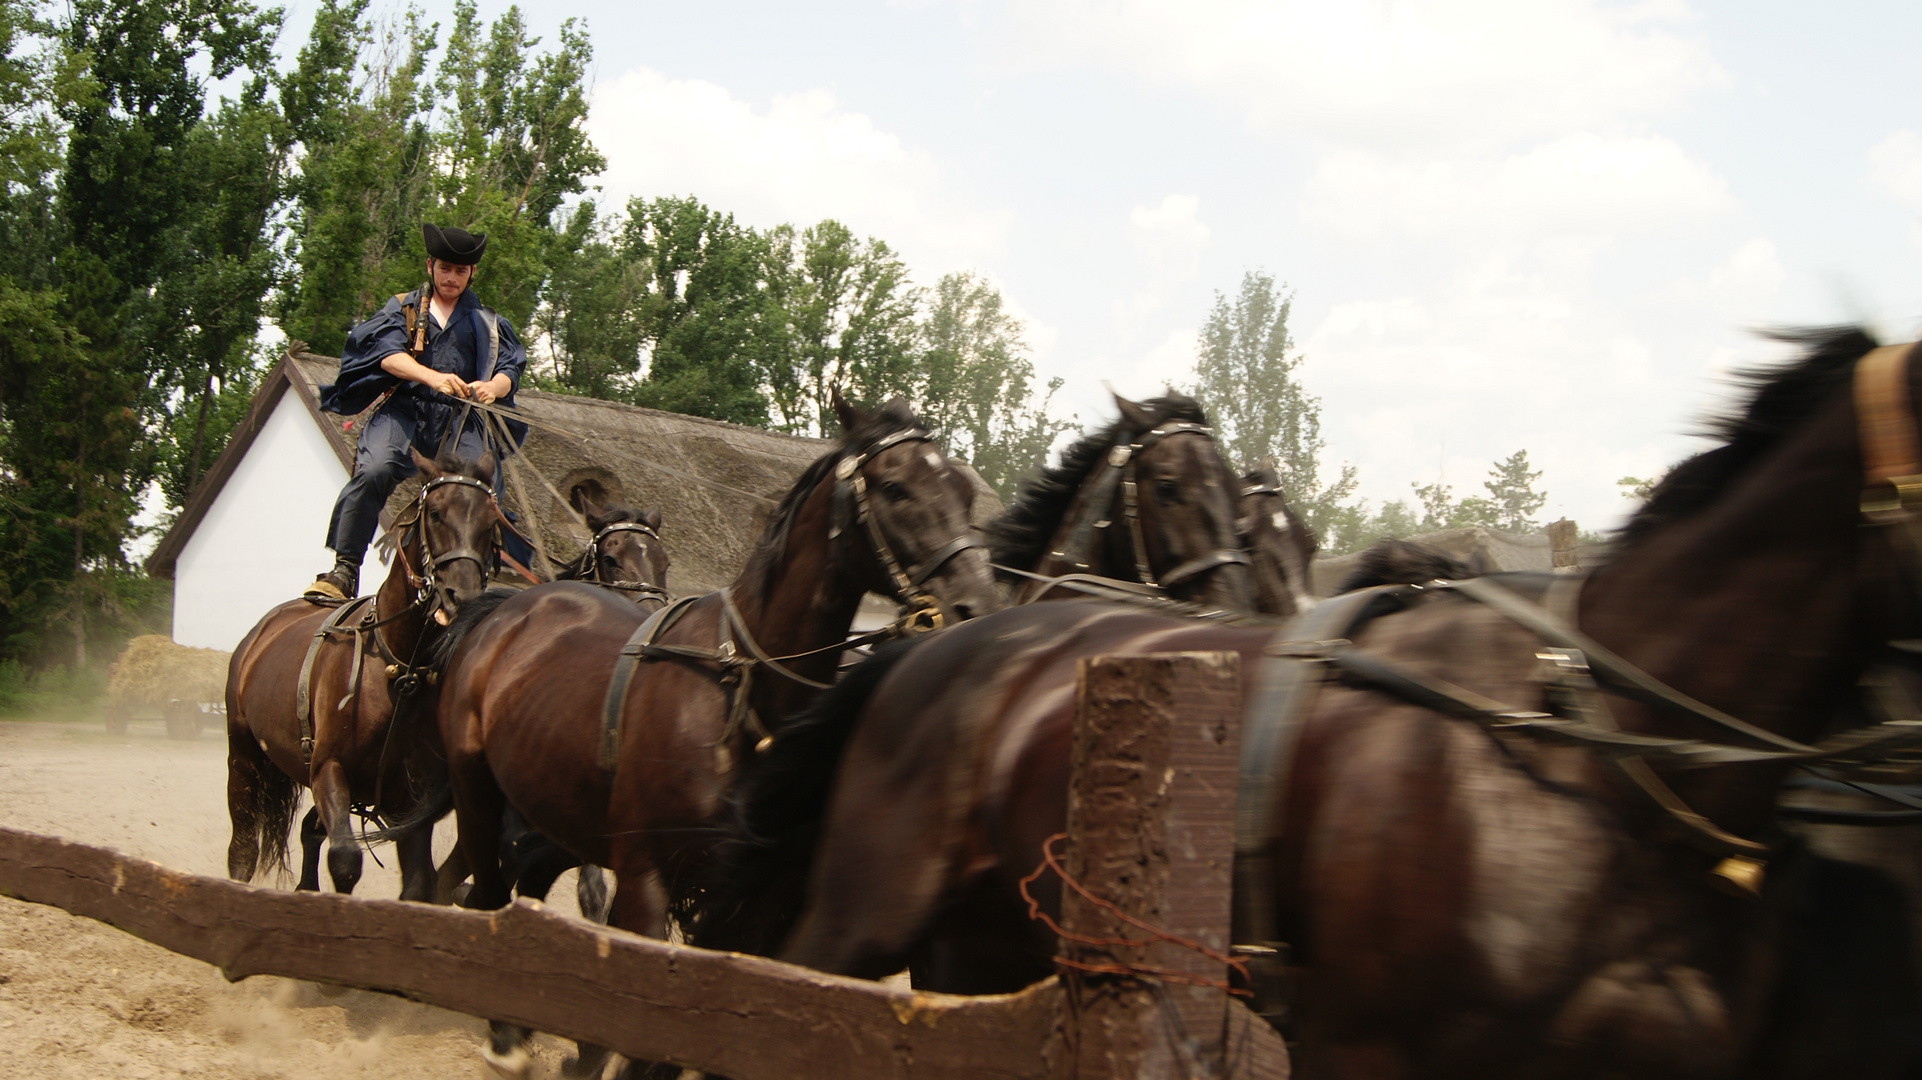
{"x":1563,"y":557}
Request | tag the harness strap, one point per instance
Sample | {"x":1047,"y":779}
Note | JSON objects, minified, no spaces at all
{"x":1201,"y":564}
{"x":303,"y":692}
{"x":1891,"y":452}
{"x":1280,"y":695}
{"x":625,"y":664}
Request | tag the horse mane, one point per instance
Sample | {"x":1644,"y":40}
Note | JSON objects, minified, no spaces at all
{"x":441,"y":649}
{"x":1021,"y":535}
{"x":764,"y":563}
{"x":1781,"y":397}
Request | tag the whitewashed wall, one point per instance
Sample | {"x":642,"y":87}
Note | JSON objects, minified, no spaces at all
{"x":263,"y":539}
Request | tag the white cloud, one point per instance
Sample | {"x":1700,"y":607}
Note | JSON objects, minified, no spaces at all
{"x":1581,"y":184}
{"x":1895,"y":171}
{"x":1746,"y":284}
{"x":800,"y":159}
{"x":1442,"y":72}
{"x":1171,"y":233}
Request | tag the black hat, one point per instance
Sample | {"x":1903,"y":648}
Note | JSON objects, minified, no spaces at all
{"x":452,"y":244}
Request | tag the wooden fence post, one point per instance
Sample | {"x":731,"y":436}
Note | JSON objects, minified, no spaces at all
{"x":1151,"y":829}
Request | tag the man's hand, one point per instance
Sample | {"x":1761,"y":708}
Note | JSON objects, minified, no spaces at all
{"x":402,"y":366}
{"x":497,"y":387}
{"x":451,"y":385}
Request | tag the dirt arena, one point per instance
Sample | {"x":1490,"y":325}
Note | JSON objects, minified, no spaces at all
{"x":81,"y":999}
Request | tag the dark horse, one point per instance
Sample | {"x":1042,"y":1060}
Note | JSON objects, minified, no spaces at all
{"x":639,"y":787}
{"x":1464,"y":900}
{"x":352,"y":750}
{"x":626,"y":554}
{"x":1280,"y":546}
{"x":1147,"y":500}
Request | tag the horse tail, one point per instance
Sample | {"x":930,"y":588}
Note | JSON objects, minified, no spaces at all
{"x":430,"y":805}
{"x":755,"y":885}
{"x":261,"y":801}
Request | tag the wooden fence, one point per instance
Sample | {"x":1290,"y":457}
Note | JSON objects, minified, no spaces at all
{"x":1150,"y":830}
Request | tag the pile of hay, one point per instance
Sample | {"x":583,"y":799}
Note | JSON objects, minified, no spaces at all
{"x":154,"y":671}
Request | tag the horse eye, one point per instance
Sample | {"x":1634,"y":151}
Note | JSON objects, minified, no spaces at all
{"x":1166,"y":489}
{"x":894,"y":491}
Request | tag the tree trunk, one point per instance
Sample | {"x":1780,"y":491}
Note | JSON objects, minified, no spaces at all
{"x":200,"y":432}
{"x":79,"y":570}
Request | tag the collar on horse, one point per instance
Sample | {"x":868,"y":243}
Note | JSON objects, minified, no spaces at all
{"x":1119,"y":478}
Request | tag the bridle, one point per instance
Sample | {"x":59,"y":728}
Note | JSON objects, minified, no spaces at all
{"x":852,"y":507}
{"x":426,"y":581}
{"x":645,"y":590}
{"x":1119,"y":479}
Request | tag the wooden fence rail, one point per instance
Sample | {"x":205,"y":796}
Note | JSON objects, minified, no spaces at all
{"x":749,"y":1017}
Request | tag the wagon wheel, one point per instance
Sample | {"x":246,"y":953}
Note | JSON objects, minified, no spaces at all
{"x":116,"y":718}
{"x":180,"y":720}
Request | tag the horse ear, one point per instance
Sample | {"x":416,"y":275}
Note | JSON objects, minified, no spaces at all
{"x":486,"y":467}
{"x":651,"y":519}
{"x":846,"y":411}
{"x":428,"y":469}
{"x":581,"y":498}
{"x":1136,"y":416}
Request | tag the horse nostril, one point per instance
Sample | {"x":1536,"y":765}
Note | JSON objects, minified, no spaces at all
{"x":963,"y":612}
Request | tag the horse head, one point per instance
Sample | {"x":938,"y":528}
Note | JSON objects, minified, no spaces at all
{"x":1280,"y":546}
{"x":1175,"y":516}
{"x":449,"y":545}
{"x":907,"y":506}
{"x":627,"y":552}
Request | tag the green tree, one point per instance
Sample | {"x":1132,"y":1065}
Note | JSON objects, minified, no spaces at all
{"x":1637,"y":487}
{"x":842,"y":315}
{"x":974,"y":383}
{"x":701,"y":308}
{"x":587,"y":315}
{"x":1512,"y":495}
{"x":1246,"y":381}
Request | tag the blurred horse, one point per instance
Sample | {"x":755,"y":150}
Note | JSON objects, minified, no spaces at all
{"x":1513,"y":827}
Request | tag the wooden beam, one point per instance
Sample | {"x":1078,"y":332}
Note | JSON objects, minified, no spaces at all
{"x":741,"y":1016}
{"x":1151,"y":830}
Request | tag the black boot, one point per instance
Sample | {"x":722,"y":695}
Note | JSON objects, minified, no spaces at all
{"x":340,"y":583}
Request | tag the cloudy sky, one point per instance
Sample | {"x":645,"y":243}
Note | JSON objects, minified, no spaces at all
{"x":1540,"y":224}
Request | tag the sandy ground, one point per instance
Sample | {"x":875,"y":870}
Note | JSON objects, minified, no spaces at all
{"x":81,"y":999}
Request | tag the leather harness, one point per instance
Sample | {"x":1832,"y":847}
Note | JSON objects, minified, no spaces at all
{"x":737,"y":655}
{"x":1302,"y":655}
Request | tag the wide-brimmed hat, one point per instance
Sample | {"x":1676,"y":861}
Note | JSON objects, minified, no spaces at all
{"x":452,"y":244}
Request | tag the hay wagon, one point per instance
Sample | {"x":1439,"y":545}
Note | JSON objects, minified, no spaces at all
{"x":155,"y":679}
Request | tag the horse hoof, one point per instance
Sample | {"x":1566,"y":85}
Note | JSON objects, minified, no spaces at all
{"x":516,"y":1064}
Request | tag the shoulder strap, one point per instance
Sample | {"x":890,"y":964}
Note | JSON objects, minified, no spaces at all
{"x":492,"y":320}
{"x":410,"y":316}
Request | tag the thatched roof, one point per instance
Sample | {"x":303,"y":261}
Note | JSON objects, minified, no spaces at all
{"x":713,"y":482}
{"x":1495,"y":549}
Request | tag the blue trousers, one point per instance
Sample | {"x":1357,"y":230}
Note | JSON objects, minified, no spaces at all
{"x":381,"y":462}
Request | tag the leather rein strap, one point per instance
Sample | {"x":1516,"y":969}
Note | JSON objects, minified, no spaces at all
{"x":1891,"y":451}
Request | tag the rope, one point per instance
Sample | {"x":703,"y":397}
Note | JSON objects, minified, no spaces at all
{"x":1050,"y":861}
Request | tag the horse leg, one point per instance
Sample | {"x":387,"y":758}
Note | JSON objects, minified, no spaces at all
{"x":590,"y":891}
{"x":414,"y":851}
{"x":640,"y":906}
{"x":343,"y":851}
{"x":478,"y":814}
{"x":448,"y":879}
{"x":541,"y":862}
{"x":311,"y":835}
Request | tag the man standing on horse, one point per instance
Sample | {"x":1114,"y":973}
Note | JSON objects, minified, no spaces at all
{"x":422,"y":362}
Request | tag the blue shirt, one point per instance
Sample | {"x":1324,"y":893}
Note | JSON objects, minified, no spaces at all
{"x":459,"y":348}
